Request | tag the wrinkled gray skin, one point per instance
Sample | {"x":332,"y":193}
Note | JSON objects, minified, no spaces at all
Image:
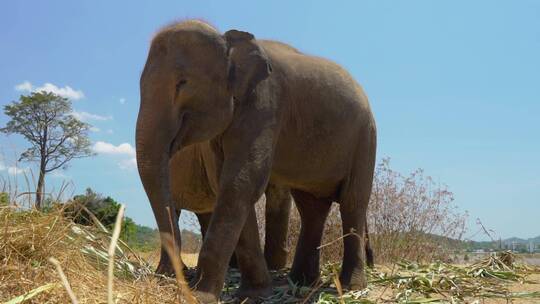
{"x":271,"y":115}
{"x":192,"y":190}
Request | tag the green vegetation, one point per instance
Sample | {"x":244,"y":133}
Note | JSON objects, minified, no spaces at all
{"x":143,"y":238}
{"x":56,"y":137}
{"x":105,"y":209}
{"x":4,"y":199}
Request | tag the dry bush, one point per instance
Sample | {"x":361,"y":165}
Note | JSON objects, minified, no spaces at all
{"x":191,"y":233}
{"x":409,"y":217}
{"x":412,"y":217}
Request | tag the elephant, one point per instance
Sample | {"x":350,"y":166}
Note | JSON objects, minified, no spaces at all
{"x":192,"y":190}
{"x":271,"y":115}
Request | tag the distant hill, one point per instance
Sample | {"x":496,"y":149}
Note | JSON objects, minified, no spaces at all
{"x":513,"y":243}
{"x":535,"y":240}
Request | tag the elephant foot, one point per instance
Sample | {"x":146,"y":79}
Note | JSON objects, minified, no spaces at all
{"x":276,"y":262}
{"x":304,"y":278}
{"x":190,"y":273}
{"x":165,"y":269}
{"x":253,"y":295}
{"x":205,"y":297}
{"x":356,"y":281}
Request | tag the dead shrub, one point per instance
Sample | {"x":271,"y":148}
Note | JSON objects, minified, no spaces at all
{"x":412,"y":217}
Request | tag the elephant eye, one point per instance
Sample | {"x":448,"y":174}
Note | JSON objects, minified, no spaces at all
{"x":180,"y":84}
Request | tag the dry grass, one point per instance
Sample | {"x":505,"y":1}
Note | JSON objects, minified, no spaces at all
{"x":28,"y":239}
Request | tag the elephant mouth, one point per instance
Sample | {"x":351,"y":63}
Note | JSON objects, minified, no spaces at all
{"x":176,"y":143}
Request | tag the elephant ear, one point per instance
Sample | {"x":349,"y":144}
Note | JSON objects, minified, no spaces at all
{"x":249,"y":64}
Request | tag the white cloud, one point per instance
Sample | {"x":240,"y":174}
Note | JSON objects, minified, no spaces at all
{"x":25,"y":86}
{"x":12,"y":170}
{"x":110,"y":131}
{"x":66,"y":91}
{"x":122,"y":100}
{"x":108,"y":148}
{"x":85,"y":116}
{"x":123,"y":149}
{"x":95,"y":129}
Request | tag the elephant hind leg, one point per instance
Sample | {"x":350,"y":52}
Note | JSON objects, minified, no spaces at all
{"x":204,"y":221}
{"x":352,"y":270}
{"x":353,"y":201}
{"x":278,"y":207}
{"x":313,"y":212}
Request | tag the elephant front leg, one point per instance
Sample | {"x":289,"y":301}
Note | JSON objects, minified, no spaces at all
{"x":256,"y":280}
{"x":278,"y":207}
{"x":228,"y":221}
{"x":204,"y":221}
{"x":245,"y":171}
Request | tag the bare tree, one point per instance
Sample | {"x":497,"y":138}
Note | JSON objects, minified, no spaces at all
{"x":56,"y":137}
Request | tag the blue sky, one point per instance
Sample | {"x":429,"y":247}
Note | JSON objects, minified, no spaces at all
{"x":455,"y":85}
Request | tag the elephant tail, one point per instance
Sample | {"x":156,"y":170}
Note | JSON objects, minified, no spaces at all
{"x":369,"y":251}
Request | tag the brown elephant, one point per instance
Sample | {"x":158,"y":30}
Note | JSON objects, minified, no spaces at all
{"x":271,"y":115}
{"x":192,"y":190}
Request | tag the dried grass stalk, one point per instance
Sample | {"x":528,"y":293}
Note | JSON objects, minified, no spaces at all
{"x":64,"y":280}
{"x":112,"y":249}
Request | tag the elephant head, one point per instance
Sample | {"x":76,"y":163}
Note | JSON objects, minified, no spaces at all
{"x":192,"y":81}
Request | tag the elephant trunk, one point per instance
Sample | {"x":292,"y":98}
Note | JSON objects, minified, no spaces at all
{"x":153,"y":140}
{"x":152,"y":145}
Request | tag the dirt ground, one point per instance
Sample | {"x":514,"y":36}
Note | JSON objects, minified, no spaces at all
{"x":380,"y":294}
{"x":527,"y":287}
